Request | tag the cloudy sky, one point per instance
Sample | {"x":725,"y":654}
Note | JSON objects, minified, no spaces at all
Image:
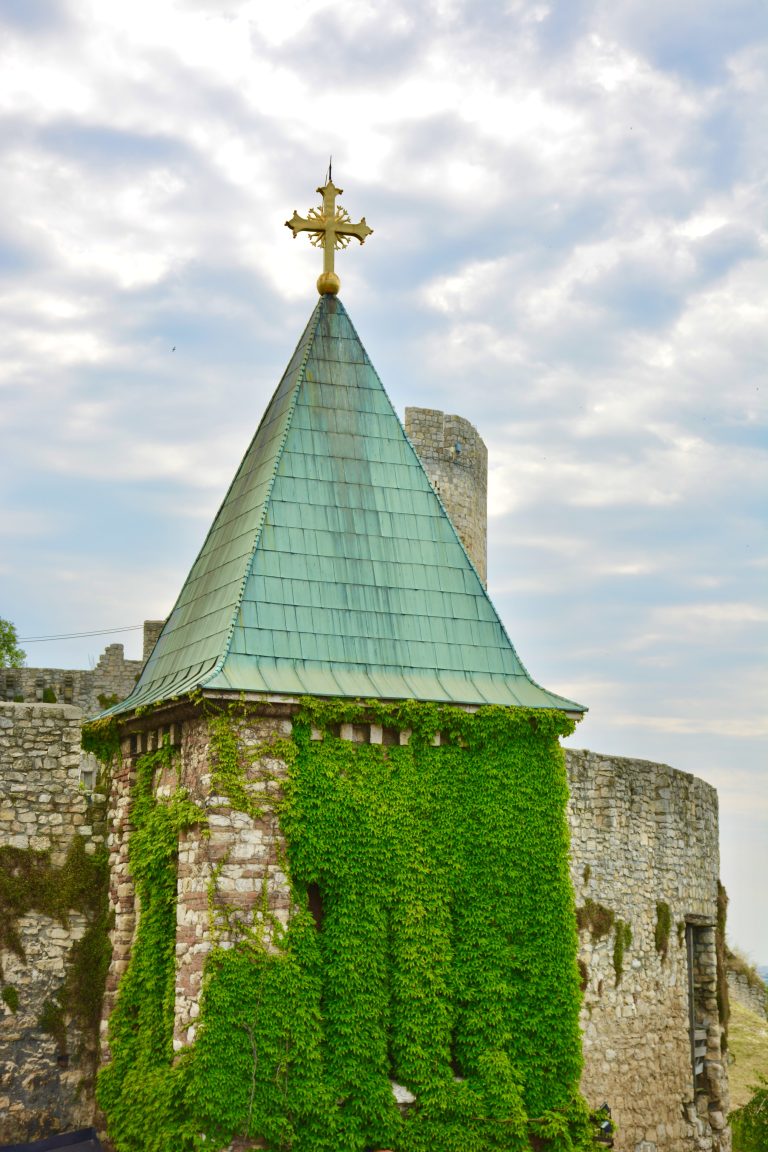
{"x":568,"y":201}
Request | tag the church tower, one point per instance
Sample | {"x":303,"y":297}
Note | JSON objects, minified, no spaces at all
{"x":343,"y":914}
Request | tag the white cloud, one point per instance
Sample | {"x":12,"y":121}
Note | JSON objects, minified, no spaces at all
{"x":568,"y":249}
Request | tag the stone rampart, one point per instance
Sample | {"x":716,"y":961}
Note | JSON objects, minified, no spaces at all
{"x":749,"y":990}
{"x":90,"y":689}
{"x":51,"y":824}
{"x":645,"y":864}
{"x":644,"y":867}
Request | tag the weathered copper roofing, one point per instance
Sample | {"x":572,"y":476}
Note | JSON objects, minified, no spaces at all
{"x":332,"y":567}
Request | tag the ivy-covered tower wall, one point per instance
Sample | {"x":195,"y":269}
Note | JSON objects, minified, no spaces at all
{"x":644,"y":837}
{"x":363,"y":935}
{"x":644,"y":840}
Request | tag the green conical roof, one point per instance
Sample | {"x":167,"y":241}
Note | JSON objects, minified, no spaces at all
{"x":332,"y":568}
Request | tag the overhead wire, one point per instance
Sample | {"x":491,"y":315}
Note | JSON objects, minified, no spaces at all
{"x":78,"y":635}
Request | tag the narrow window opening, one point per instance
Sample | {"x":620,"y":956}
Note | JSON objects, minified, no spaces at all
{"x":699,"y":942}
{"x":456,"y":1068}
{"x":315,"y":898}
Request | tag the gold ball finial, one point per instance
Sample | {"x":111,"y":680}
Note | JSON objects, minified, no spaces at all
{"x":328,"y":284}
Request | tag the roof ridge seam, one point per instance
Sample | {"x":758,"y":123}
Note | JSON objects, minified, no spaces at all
{"x":217,"y":668}
{"x":466,"y":553}
{"x":121,"y":706}
{"x":445,"y":510}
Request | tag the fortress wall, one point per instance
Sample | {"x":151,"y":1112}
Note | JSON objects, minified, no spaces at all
{"x":456,"y":461}
{"x":749,"y":993}
{"x":113,"y":678}
{"x":645,"y":836}
{"x":43,"y":807}
{"x":642,"y":835}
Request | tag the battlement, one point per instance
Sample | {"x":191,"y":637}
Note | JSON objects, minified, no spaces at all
{"x":89,"y":689}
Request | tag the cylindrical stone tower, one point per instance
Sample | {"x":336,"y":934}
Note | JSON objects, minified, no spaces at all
{"x":456,"y":460}
{"x":152,"y":630}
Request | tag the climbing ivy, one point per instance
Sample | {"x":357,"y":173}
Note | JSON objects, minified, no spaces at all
{"x":102,"y":738}
{"x":230,"y":757}
{"x":443,"y":954}
{"x":137,"y":1089}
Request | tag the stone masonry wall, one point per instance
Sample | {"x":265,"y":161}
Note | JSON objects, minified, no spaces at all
{"x":645,"y":837}
{"x":233,"y":884}
{"x":112,"y":679}
{"x":456,"y":461}
{"x":227,"y":879}
{"x":42,"y":807}
{"x":752,"y":994}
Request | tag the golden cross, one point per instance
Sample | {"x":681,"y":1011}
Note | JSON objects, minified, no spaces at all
{"x":329,"y":228}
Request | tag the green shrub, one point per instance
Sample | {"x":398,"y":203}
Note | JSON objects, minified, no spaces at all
{"x":750,"y":1123}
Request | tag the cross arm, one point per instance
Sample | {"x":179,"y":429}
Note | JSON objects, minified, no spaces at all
{"x":300,"y":224}
{"x":359,"y":231}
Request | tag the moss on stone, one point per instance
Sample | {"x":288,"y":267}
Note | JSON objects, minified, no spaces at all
{"x":595,"y":918}
{"x":622,"y":940}
{"x":723,"y":1001}
{"x":29,"y":882}
{"x":583,"y":976}
{"x":10,"y":996}
{"x":52,"y":1020}
{"x":663,"y":928}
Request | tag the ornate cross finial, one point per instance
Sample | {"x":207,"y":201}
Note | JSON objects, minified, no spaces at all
{"x":329,"y":228}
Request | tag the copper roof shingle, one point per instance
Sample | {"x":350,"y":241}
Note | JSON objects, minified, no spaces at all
{"x":332,"y":567}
